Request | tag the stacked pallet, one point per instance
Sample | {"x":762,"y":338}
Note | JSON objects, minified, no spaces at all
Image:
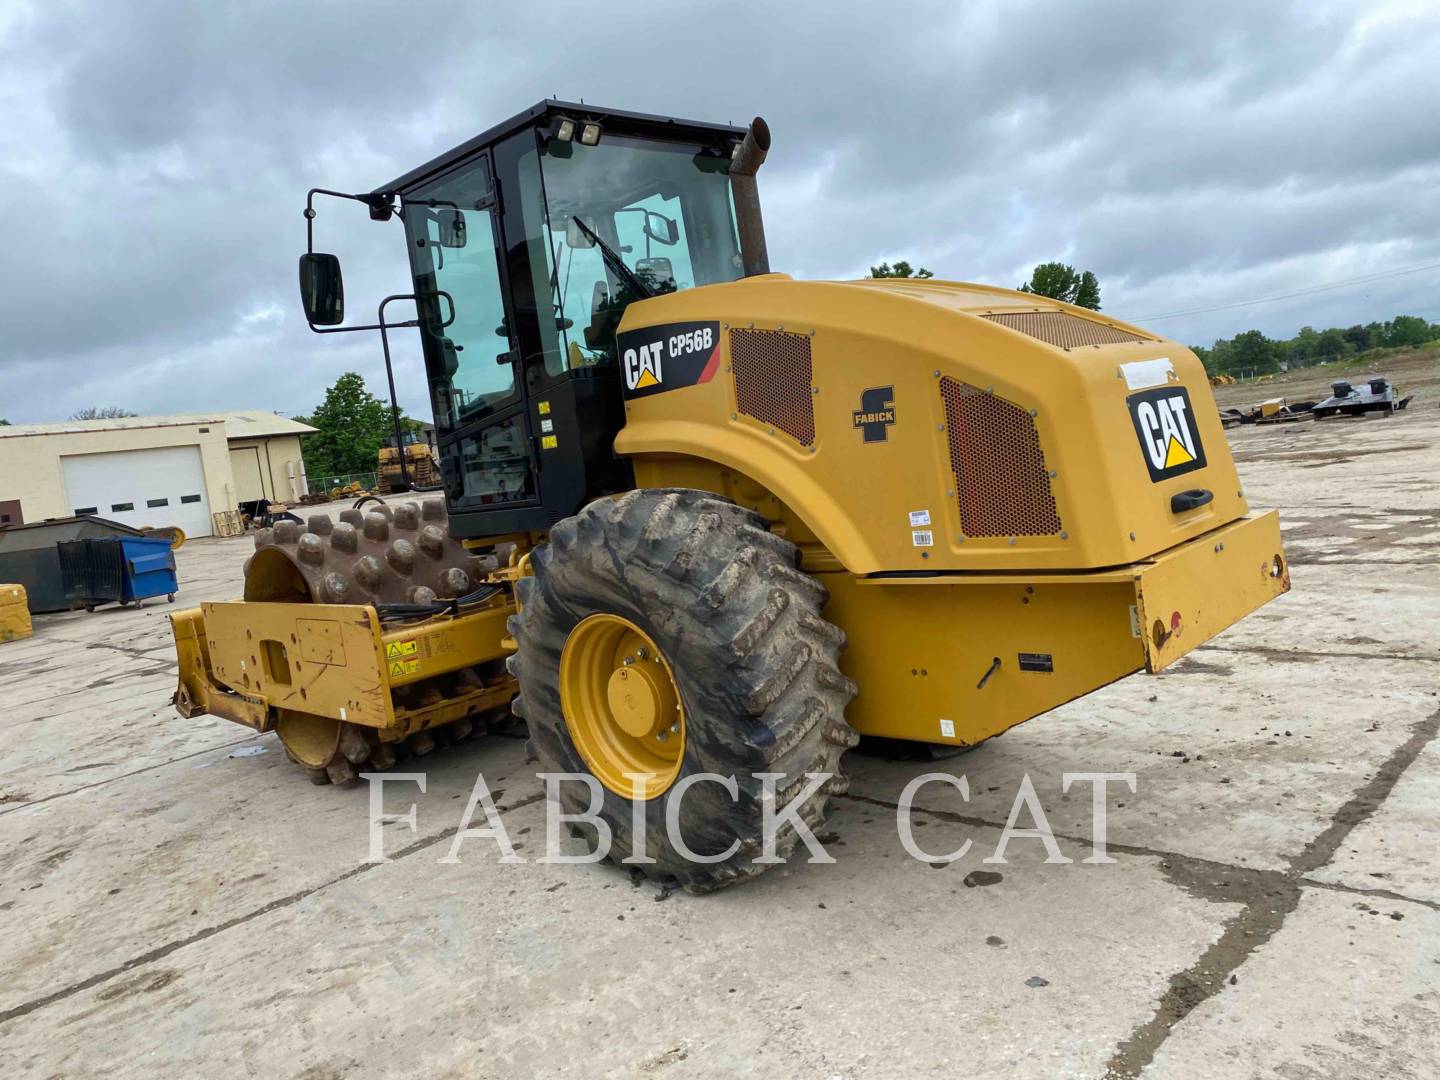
{"x":228,"y":523}
{"x":14,"y":613}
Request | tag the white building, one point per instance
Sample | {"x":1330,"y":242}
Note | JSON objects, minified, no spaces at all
{"x":150,"y":470}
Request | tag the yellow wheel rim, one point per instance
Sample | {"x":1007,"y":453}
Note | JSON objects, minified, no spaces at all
{"x":312,"y":740}
{"x":622,"y":707}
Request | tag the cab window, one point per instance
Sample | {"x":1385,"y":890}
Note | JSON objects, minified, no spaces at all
{"x":663,"y":209}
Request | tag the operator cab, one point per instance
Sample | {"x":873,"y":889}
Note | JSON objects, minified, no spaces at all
{"x":527,"y":244}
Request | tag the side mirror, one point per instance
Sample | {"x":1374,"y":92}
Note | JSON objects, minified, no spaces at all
{"x":449,"y":358}
{"x":322,"y":289}
{"x":661,"y":229}
{"x":451,"y":224}
{"x":576,"y":237}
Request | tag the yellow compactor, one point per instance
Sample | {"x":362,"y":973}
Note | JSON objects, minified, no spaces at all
{"x":701,"y":517}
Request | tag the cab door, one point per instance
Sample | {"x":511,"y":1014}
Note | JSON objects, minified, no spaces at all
{"x":471,"y":354}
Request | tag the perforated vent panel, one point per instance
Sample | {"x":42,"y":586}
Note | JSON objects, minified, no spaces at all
{"x":773,"y":377}
{"x":1001,"y":482}
{"x":1063,"y":329}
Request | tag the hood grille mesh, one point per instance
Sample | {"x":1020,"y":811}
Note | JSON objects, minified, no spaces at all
{"x":773,"y":380}
{"x":1064,"y":330}
{"x":1001,"y":482}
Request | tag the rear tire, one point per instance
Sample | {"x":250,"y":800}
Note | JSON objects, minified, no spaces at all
{"x":755,"y":665}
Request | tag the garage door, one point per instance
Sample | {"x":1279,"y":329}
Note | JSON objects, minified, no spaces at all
{"x":164,"y":486}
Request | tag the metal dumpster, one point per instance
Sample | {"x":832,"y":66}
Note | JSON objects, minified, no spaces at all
{"x":29,"y":555}
{"x":121,"y":569}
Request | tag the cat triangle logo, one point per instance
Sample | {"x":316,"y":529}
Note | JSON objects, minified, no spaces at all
{"x":642,"y":366}
{"x":1175,"y":454}
{"x":1169,"y":436}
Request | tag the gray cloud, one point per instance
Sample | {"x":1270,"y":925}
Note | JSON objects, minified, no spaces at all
{"x":156,"y":156}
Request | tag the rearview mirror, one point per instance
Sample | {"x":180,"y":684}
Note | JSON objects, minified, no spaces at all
{"x":322,"y":289}
{"x":451,"y":224}
{"x":656,"y":272}
{"x":576,"y":237}
{"x":660,"y":228}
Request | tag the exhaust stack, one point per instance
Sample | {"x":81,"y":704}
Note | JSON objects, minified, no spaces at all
{"x":749,"y":156}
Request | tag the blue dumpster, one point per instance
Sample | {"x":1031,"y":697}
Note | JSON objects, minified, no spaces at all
{"x":149,"y":568}
{"x":121,"y":569}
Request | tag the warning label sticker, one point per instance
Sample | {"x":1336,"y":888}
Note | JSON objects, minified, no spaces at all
{"x":1169,"y":438}
{"x":402,"y":658}
{"x":918,"y":518}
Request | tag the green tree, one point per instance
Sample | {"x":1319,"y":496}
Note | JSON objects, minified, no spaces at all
{"x":900,"y":269}
{"x":102,"y":412}
{"x":1331,"y":344}
{"x":1088,"y":294}
{"x":1253,"y":351}
{"x":1222,"y":357}
{"x":4,"y":423}
{"x":1317,"y":346}
{"x":1360,"y":338}
{"x":1406,"y":330}
{"x":1301,"y":348}
{"x":350,"y":425}
{"x":1061,"y":282}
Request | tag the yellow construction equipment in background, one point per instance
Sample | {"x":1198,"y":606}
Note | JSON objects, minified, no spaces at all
{"x":754,"y":520}
{"x":420,"y":466}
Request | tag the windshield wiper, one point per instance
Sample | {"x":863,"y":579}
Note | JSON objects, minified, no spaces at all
{"x":615,"y":262}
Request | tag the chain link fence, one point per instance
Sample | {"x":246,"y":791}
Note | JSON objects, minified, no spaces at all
{"x":324,"y":485}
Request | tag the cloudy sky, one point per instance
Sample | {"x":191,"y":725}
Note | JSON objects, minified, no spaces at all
{"x":1194,"y":155}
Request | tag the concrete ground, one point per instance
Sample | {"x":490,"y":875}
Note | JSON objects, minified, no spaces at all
{"x":176,"y":899}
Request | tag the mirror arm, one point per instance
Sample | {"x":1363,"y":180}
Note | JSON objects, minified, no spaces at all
{"x":382,"y":208}
{"x":381,"y":204}
{"x":382,"y":325}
